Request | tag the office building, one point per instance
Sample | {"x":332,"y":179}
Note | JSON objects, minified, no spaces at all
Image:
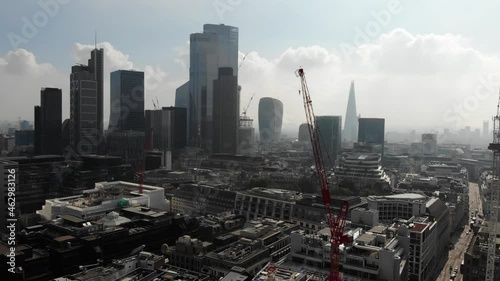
{"x":85,"y":134}
{"x":270,"y":120}
{"x":304,"y":133}
{"x":330,"y":128}
{"x":372,"y":131}
{"x":486,"y":129}
{"x":87,"y":104}
{"x":182,"y":96}
{"x":127,"y":101}
{"x":48,"y":122}
{"x":362,"y":169}
{"x":24,"y":125}
{"x":182,"y":100}
{"x":350,"y":133}
{"x":375,"y":254}
{"x":24,"y":138}
{"x":226,"y":112}
{"x":129,"y":145}
{"x":430,"y":144}
{"x":193,"y":199}
{"x":104,"y":198}
{"x":166,"y":128}
{"x":246,"y":135}
{"x":475,"y":258}
{"x":216,"y":47}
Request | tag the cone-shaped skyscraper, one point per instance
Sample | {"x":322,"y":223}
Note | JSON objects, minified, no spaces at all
{"x":350,"y":133}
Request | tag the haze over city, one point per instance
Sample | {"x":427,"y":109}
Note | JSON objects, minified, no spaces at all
{"x":419,"y":65}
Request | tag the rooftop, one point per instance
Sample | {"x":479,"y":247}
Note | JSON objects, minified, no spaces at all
{"x":278,"y":194}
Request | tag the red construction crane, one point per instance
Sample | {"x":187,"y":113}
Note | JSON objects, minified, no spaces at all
{"x":336,"y":223}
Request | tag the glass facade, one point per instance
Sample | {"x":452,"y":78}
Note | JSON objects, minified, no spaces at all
{"x":372,"y":131}
{"x":127,"y":101}
{"x":216,"y":47}
{"x":330,"y":138}
{"x":270,"y":120}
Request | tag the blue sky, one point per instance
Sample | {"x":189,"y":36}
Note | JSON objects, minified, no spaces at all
{"x":153,"y":32}
{"x":150,"y":30}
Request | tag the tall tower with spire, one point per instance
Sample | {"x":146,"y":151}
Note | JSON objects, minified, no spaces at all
{"x":350,"y":133}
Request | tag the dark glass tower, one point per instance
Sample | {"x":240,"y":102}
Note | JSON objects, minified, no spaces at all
{"x":96,"y":66}
{"x":270,"y":120}
{"x":48,"y":122}
{"x":127,"y":101}
{"x":216,"y":47}
{"x":167,"y":128}
{"x":304,"y":133}
{"x":350,"y":133}
{"x":330,"y":131}
{"x":226,"y":112}
{"x":372,"y":131}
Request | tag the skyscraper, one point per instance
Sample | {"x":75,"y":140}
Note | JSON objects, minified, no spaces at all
{"x":85,"y":134}
{"x":270,"y":120}
{"x":304,"y":132}
{"x":167,"y":128}
{"x":96,"y":66}
{"x":182,"y":96}
{"x":350,"y":133}
{"x":48,"y":122}
{"x":486,"y":127}
{"x":216,"y":47}
{"x":372,"y":131}
{"x":127,"y":101}
{"x":430,"y":144}
{"x":330,"y":132}
{"x":226,"y":112}
{"x":182,"y":100}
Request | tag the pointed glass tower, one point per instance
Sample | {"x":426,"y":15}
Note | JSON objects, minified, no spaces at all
{"x":351,"y":120}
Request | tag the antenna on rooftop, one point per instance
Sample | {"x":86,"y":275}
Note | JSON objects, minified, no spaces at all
{"x":95,"y":40}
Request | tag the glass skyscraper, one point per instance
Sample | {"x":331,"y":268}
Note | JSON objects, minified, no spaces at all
{"x":372,"y":131}
{"x":127,"y":101}
{"x":270,"y":120}
{"x":216,"y":47}
{"x":350,"y":133}
{"x":330,"y":132}
{"x":86,"y":105}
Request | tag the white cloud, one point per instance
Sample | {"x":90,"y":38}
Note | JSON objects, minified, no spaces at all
{"x":411,"y":80}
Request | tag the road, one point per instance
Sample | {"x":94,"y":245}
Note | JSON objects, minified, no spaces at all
{"x":462,"y":239}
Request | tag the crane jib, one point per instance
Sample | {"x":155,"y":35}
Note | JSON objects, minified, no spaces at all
{"x":336,"y":223}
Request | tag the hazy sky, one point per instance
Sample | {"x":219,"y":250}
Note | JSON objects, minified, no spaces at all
{"x":416,"y":63}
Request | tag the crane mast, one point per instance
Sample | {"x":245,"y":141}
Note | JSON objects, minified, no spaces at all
{"x":336,"y":223}
{"x":494,"y":196}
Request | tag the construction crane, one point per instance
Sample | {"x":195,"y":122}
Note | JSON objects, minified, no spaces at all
{"x":494,"y":196}
{"x":336,"y":223}
{"x":243,"y":60}
{"x":248,"y":105}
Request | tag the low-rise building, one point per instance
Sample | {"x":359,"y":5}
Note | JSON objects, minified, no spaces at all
{"x":192,"y":199}
{"x":265,"y":202}
{"x":476,"y":256}
{"x":362,"y":169}
{"x":105,"y":197}
{"x":376,"y":254}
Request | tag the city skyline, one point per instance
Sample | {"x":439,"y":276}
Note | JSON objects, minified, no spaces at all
{"x":401,"y":77}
